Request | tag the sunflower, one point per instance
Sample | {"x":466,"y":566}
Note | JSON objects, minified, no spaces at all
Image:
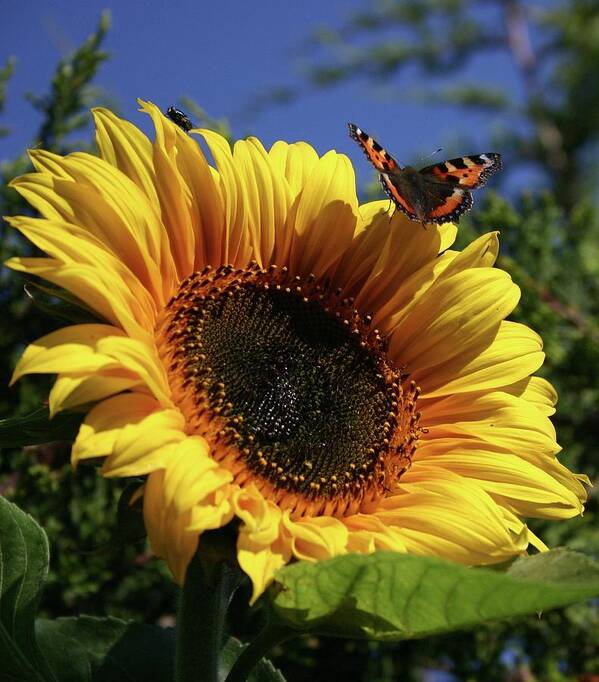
{"x":269,"y":351}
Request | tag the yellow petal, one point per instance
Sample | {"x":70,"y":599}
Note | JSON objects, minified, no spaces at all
{"x":201,"y":187}
{"x":71,"y":391}
{"x":531,"y":490}
{"x":368,"y":533}
{"x":443,"y":514}
{"x":407,"y":248}
{"x":295,"y":162}
{"x":536,"y":391}
{"x":260,"y":562}
{"x":143,"y":360}
{"x":109,"y":205}
{"x":192,"y":475}
{"x":261,"y":518}
{"x":262,"y":544}
{"x":125,"y":147}
{"x":214,"y":512}
{"x":104,"y":422}
{"x":513,"y":353}
{"x":449,"y":232}
{"x":324,"y":216}
{"x":481,"y":253}
{"x":70,"y":349}
{"x":146,"y":445}
{"x":98,"y":290}
{"x":73,"y":245}
{"x":315,"y":538}
{"x":237,"y":247}
{"x":398,"y":303}
{"x":495,"y":417}
{"x":452,"y":317}
{"x":167,"y":531}
{"x":267,"y":199}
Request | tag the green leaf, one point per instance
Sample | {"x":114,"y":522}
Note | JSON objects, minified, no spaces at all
{"x":83,"y":649}
{"x":394,"y":596}
{"x":88,"y":649}
{"x":23,"y":569}
{"x":37,"y":427}
{"x":264,"y":671}
{"x":60,"y":304}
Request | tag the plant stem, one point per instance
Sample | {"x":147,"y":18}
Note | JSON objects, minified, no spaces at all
{"x":201,"y":619}
{"x":257,"y":649}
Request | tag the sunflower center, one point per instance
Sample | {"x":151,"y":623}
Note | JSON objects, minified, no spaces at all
{"x":290,"y":386}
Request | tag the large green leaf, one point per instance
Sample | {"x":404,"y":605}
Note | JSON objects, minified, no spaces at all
{"x":23,"y":569}
{"x":37,"y":427}
{"x":88,"y":649}
{"x":397,"y":596}
{"x":83,"y":649}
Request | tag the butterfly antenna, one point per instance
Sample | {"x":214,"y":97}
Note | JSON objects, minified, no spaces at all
{"x":428,"y":156}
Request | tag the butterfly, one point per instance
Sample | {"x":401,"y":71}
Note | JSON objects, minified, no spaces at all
{"x":436,"y":194}
{"x":180,"y":118}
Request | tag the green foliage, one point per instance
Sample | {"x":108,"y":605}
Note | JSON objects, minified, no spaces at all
{"x":393,"y":596}
{"x":5,"y":73}
{"x":385,"y":595}
{"x":65,"y":108}
{"x":36,"y":428}
{"x":83,"y":648}
{"x":549,"y":122}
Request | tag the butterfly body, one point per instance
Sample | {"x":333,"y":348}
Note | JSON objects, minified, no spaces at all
{"x":436,"y":194}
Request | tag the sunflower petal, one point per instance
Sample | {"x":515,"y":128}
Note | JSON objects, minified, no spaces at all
{"x":441,"y":513}
{"x":513,"y":353}
{"x":236,"y":247}
{"x":71,"y":391}
{"x":71,"y":349}
{"x":315,"y":538}
{"x":452,"y":317}
{"x":104,"y":422}
{"x":167,"y":531}
{"x":326,"y":200}
{"x":125,"y":147}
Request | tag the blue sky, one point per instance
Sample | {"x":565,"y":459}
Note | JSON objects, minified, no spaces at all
{"x":222,"y":54}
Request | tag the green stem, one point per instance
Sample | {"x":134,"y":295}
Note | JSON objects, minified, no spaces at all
{"x":257,"y":649}
{"x":201,"y":619}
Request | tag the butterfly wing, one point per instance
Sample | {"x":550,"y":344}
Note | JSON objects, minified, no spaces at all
{"x":378,"y":157}
{"x":466,"y":171}
{"x":392,"y":190}
{"x":386,"y":165}
{"x":445,"y":202}
{"x":447,"y":184}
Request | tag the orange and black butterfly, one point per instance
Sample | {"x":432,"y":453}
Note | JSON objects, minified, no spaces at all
{"x":436,"y":194}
